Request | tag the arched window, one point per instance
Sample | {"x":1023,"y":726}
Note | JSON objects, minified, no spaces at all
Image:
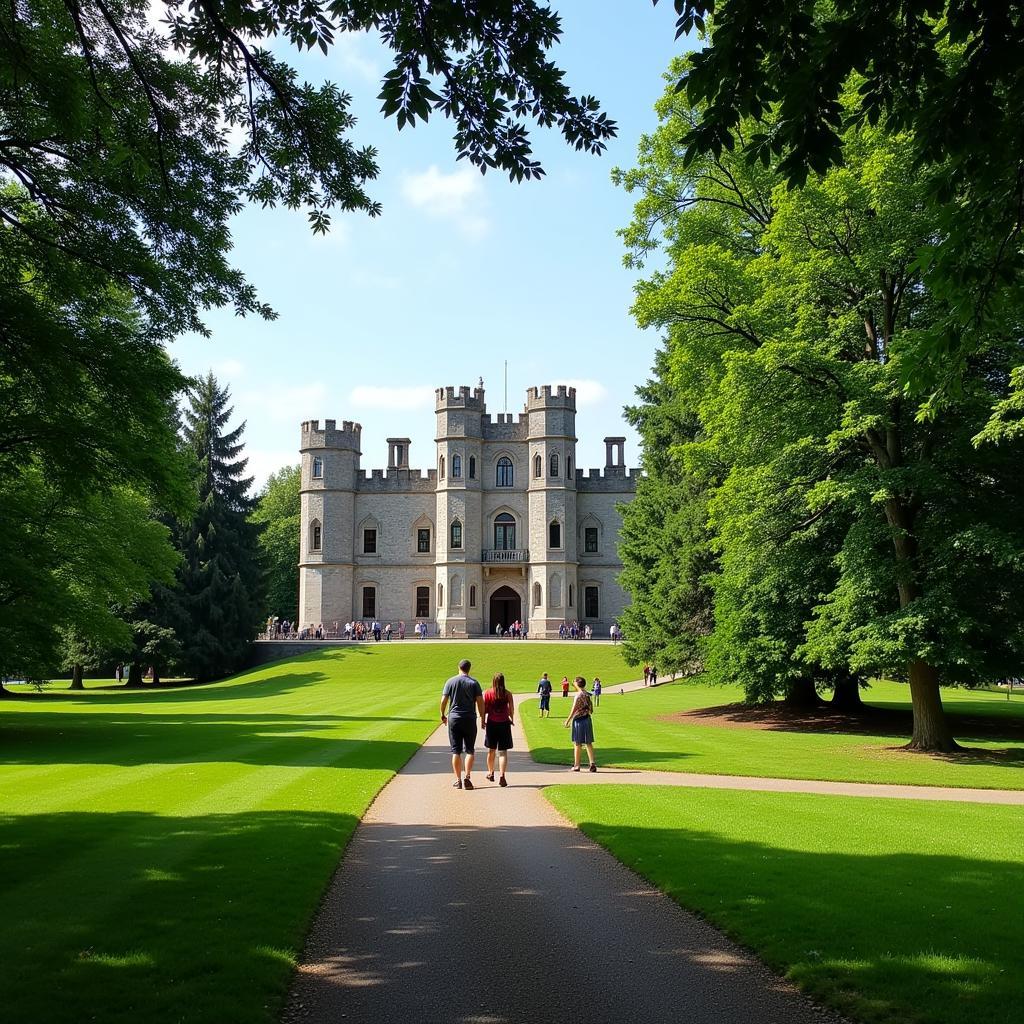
{"x":318,"y":468}
{"x":503,"y":472}
{"x":504,"y":531}
{"x":440,"y":467}
{"x":440,"y":597}
{"x":554,"y":464}
{"x":456,"y":534}
{"x":472,"y":467}
{"x":568,"y":468}
{"x":472,"y":596}
{"x":538,"y":465}
{"x":537,"y":595}
{"x":570,"y":595}
{"x":555,"y":534}
{"x":315,"y":535}
{"x":456,"y":467}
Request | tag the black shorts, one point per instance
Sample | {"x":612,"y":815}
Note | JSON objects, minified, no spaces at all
{"x":498,"y":736}
{"x":462,"y":734}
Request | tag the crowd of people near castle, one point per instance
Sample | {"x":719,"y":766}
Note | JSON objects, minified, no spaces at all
{"x":283,"y":629}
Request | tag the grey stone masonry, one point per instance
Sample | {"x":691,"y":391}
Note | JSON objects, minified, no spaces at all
{"x":502,"y":527}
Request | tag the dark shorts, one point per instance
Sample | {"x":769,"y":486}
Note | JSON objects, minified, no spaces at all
{"x":498,"y":736}
{"x":545,"y":702}
{"x":462,"y":734}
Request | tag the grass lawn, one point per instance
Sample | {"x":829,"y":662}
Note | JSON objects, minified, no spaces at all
{"x":890,"y":910}
{"x":161,"y":853}
{"x":635,"y":731}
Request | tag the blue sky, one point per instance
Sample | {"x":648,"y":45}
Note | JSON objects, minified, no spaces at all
{"x":459,"y":273}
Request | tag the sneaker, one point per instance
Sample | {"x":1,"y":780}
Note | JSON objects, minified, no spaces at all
{"x":593,"y":767}
{"x":575,"y":768}
{"x":467,"y":784}
{"x":489,"y":778}
{"x":457,"y":784}
{"x":502,"y":782}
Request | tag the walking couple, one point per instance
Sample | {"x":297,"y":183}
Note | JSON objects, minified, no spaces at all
{"x":462,"y":702}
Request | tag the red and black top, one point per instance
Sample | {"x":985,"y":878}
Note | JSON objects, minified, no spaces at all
{"x":495,"y":709}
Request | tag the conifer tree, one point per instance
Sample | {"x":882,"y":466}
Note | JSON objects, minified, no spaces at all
{"x":221,"y":577}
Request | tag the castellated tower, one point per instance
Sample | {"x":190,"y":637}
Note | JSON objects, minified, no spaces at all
{"x":330,"y":472}
{"x":551,"y":435}
{"x":459,"y":512}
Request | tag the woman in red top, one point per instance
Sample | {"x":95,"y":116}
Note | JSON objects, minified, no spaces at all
{"x":497,"y":722}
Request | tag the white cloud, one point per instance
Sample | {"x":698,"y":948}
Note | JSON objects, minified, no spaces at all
{"x":588,"y":392}
{"x":288,"y":405}
{"x":458,"y":197}
{"x":228,"y":369}
{"x":263,"y":462}
{"x":368,"y":396}
{"x":350,"y":49}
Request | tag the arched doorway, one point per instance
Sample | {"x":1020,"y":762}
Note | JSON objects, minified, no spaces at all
{"x":505,"y":607}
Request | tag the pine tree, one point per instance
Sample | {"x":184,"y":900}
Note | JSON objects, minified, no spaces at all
{"x":222,"y":583}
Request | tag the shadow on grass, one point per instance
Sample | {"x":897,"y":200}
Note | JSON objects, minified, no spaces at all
{"x":606,"y":755}
{"x":896,"y":938}
{"x":62,"y":738}
{"x":121,"y":917}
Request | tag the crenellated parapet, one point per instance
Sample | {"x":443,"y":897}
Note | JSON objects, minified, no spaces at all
{"x":459,"y":398}
{"x":396,"y":481}
{"x":505,"y":427}
{"x":611,"y":478}
{"x":349,"y":437}
{"x":546,"y":397}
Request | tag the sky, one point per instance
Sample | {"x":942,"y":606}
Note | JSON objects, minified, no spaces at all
{"x":460,"y":273}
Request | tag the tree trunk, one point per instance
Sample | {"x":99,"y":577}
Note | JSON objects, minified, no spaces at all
{"x":801,"y":694}
{"x":931,"y":730}
{"x":4,"y":692}
{"x":76,"y":677}
{"x":134,"y":681}
{"x":156,"y":676}
{"x":846,"y":693}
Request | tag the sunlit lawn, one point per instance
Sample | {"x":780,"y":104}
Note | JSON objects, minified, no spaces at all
{"x":637,"y":730}
{"x":161,"y":853}
{"x":890,"y":910}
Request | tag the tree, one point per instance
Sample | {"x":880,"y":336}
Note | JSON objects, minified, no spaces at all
{"x":278,"y":514}
{"x":121,"y":134}
{"x":853,"y":538}
{"x":221,"y":578}
{"x":947,"y":72}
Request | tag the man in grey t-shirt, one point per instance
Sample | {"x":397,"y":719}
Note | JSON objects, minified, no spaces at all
{"x":461,"y":701}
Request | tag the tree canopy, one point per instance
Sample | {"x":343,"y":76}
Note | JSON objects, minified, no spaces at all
{"x":278,"y":513}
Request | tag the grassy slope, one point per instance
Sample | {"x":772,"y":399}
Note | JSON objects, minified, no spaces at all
{"x":916,"y":921}
{"x":161,"y":853}
{"x":632,"y":732}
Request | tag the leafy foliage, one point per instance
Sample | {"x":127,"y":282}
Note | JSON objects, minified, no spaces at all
{"x":278,"y":513}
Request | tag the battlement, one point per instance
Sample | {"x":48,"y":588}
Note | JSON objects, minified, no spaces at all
{"x":611,"y":478}
{"x":562,"y":397}
{"x":504,"y":426}
{"x":459,"y":398}
{"x":348,"y":437}
{"x":398,"y":481}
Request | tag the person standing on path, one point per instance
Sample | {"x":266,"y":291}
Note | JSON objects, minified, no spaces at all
{"x":582,"y":725}
{"x":463,"y":697}
{"x":544,"y":688}
{"x":499,"y":717}
{"x":654,"y":676}
{"x":565,"y":686}
{"x":596,"y":690}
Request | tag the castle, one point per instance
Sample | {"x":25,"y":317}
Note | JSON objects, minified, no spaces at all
{"x":505,"y":527}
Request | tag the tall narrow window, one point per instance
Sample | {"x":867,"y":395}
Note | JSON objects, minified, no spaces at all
{"x":555,"y":534}
{"x":440,"y":467}
{"x":399,"y":454}
{"x":456,"y":467}
{"x":318,"y":468}
{"x":369,"y":602}
{"x":472,"y":596}
{"x":591,"y":609}
{"x":503,"y":472}
{"x":554,"y":464}
{"x":315,"y":536}
{"x":422,"y":602}
{"x":504,"y":532}
{"x":369,"y":542}
{"x":423,"y":541}
{"x":456,"y":534}
{"x":537,"y":595}
{"x":568,"y":468}
{"x":590,"y":540}
{"x":472,"y":467}
{"x":440,"y":597}
{"x":570,"y":595}
{"x":538,"y":465}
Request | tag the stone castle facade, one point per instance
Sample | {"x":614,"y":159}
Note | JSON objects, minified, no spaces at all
{"x":504,"y":528}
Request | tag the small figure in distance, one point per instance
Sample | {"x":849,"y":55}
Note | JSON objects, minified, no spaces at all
{"x":596,"y":690}
{"x":544,"y":688}
{"x":497,"y":722}
{"x":654,"y":676}
{"x":463,"y":695}
{"x":565,"y":686}
{"x":647,"y":675}
{"x":582,"y":725}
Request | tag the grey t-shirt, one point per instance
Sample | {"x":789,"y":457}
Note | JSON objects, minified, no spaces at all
{"x":462,"y":693}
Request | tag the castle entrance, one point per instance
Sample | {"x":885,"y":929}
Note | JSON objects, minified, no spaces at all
{"x":505,"y":607}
